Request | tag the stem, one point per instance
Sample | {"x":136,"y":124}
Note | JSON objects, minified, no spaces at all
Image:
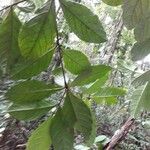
{"x":61,"y":63}
{"x":120,"y":135}
{"x":14,"y":4}
{"x":62,"y":66}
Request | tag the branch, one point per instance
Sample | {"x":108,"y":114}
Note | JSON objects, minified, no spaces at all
{"x":115,"y":37}
{"x":14,"y":4}
{"x":60,"y":55}
{"x":118,"y":137}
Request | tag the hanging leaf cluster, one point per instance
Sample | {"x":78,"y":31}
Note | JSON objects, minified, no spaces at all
{"x":28,"y":48}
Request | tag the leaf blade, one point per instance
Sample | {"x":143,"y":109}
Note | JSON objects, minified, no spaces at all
{"x":75,"y":61}
{"x":90,"y":75}
{"x":83,"y":22}
{"x":37,"y":35}
{"x":36,"y":139}
{"x":30,"y":91}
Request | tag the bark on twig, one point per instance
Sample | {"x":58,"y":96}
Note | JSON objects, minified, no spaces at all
{"x":120,"y":135}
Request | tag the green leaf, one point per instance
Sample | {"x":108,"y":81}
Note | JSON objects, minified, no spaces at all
{"x":134,"y":11}
{"x":113,"y":2}
{"x":110,"y":91}
{"x":96,"y":85}
{"x":9,"y":30}
{"x":29,"y":69}
{"x":140,"y":50}
{"x":91,"y":75}
{"x":142,"y":32}
{"x":40,"y":138}
{"x":77,"y":113}
{"x":100,"y":138}
{"x":31,"y":110}
{"x":105,"y":100}
{"x":30,"y":91}
{"x":75,"y":61}
{"x":81,"y":147}
{"x":37,"y":35}
{"x":140,"y":100}
{"x":107,"y":95}
{"x":142,"y":79}
{"x":92,"y":136}
{"x":61,"y":134}
{"x":83,"y":22}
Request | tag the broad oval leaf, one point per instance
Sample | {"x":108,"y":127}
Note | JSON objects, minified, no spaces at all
{"x":78,"y":114}
{"x":91,"y":75}
{"x":32,"y":68}
{"x":61,"y":134}
{"x":140,"y":100}
{"x":75,"y":61}
{"x":105,"y":100}
{"x":110,"y":91}
{"x":30,"y":91}
{"x":108,"y":95}
{"x":40,"y":138}
{"x":100,"y":138}
{"x":96,"y":85}
{"x":140,"y":50}
{"x":31,"y":110}
{"x":83,"y":22}
{"x":9,"y":31}
{"x":113,"y":2}
{"x":134,"y":11}
{"x":37,"y":35}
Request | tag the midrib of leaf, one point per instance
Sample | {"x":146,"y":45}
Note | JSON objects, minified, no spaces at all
{"x":80,"y":19}
{"x":43,"y":90}
{"x":28,"y":109}
{"x":73,"y":108}
{"x":42,"y":26}
{"x":40,"y":31}
{"x":139,"y":100}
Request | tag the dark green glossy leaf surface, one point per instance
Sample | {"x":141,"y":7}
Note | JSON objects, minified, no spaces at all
{"x":30,"y":111}
{"x":83,"y":22}
{"x":75,"y":61}
{"x":37,"y":35}
{"x":77,"y":113}
{"x":30,"y":91}
{"x":9,"y":49}
{"x":40,"y":138}
{"x":61,"y":134}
